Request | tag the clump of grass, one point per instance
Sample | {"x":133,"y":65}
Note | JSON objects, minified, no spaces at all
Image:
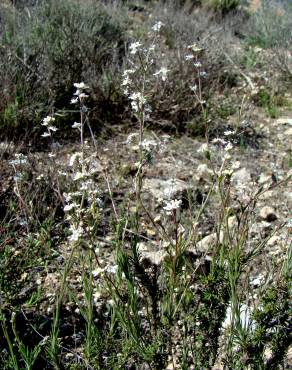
{"x":268,"y":101}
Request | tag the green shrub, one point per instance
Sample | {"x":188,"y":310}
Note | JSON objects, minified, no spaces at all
{"x":223,"y":6}
{"x":270,"y":26}
{"x":47,"y":48}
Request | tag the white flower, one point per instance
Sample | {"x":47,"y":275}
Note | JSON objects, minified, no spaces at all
{"x":172,"y":205}
{"x":112,"y":269}
{"x":195,"y":48}
{"x":227,"y":156}
{"x":138,"y":97}
{"x":236,"y":165}
{"x":86,"y":185}
{"x":128,"y":72}
{"x":218,"y":140}
{"x":203,"y":149}
{"x":198,"y":64}
{"x":134,"y":47}
{"x":74,"y":157}
{"x":227,"y":172}
{"x":79,"y":176}
{"x":20,"y":159}
{"x":137,"y":101}
{"x":148,"y":144}
{"x":46,"y":134}
{"x":126,"y":81}
{"x":134,"y":106}
{"x":163,"y":72}
{"x":80,"y":86}
{"x":229,"y":133}
{"x":257,"y":281}
{"x":157,"y":26}
{"x":83,"y":96}
{"x":194,"y":88}
{"x":228,"y":147}
{"x":69,"y":207}
{"x":96,"y":296}
{"x":51,"y":155}
{"x":52,"y":128}
{"x":40,"y":177}
{"x":74,"y":100}
{"x":97,"y":271}
{"x":76,"y":125}
{"x":203,"y":74}
{"x":76,"y":233}
{"x":189,"y":57}
{"x":47,"y":120}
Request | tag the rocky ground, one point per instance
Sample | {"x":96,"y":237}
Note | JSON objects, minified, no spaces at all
{"x":262,"y":164}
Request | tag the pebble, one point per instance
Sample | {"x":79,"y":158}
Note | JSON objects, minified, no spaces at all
{"x":203,"y":172}
{"x":273,"y":241}
{"x":242,"y":176}
{"x":268,"y":214}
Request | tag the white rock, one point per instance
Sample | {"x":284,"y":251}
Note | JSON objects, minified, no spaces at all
{"x":232,"y":223}
{"x":284,"y":121}
{"x":209,"y":241}
{"x":267,"y":194}
{"x":155,"y":257}
{"x":274,"y":241}
{"x":264,"y":177}
{"x":245,"y":317}
{"x":162,"y":189}
{"x":242,"y":176}
{"x":203,"y":172}
{"x":288,"y":132}
{"x":268,"y":214}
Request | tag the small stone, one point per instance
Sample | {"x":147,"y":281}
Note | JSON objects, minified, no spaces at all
{"x":155,"y":257}
{"x":209,"y":241}
{"x":284,"y":121}
{"x":268,"y":214}
{"x":288,"y":132}
{"x":161,"y":189}
{"x":273,"y":241}
{"x":242,"y":176}
{"x":264,"y":178}
{"x":232,"y":223}
{"x":203,"y":172}
{"x":267,"y":194}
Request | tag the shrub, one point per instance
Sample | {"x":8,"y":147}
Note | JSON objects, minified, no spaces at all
{"x":45,"y":48}
{"x":223,"y":6}
{"x":270,"y":26}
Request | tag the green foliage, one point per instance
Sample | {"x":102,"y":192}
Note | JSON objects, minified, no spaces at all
{"x":78,"y":288}
{"x":268,"y":101}
{"x":223,"y":6}
{"x":273,"y":323}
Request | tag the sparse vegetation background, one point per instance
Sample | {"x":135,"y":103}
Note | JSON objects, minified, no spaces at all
{"x":145,"y":193}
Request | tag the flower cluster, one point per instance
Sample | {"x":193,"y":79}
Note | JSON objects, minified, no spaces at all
{"x":162,"y":72}
{"x":172,"y":206}
{"x":48,"y":123}
{"x":137,"y":101}
{"x":79,"y":94}
{"x":157,"y":26}
{"x":20,"y":159}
